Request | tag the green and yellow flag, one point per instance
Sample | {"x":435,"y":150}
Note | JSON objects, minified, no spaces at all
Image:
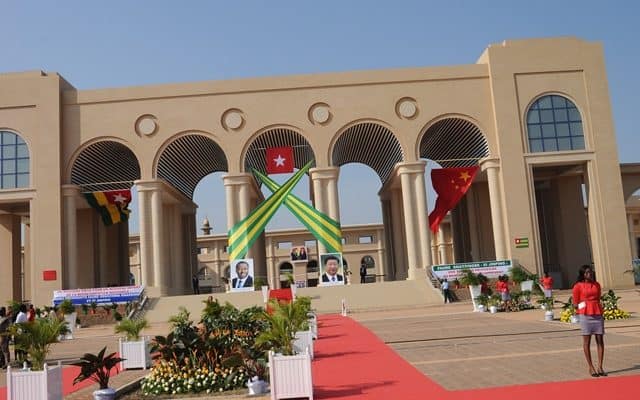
{"x":111,"y":205}
{"x":324,"y":228}
{"x":244,"y":233}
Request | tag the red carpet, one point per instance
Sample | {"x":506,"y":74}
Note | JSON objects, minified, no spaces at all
{"x":69,"y":373}
{"x":352,"y":363}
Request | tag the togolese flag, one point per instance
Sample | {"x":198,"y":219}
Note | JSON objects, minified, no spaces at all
{"x":244,"y":233}
{"x":323,"y":227}
{"x":112,"y":205}
{"x":450,"y":184}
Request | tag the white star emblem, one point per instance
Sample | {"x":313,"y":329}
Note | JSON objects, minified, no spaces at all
{"x":279,"y":161}
{"x":119,"y":198}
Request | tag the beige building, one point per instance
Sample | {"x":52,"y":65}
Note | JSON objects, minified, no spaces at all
{"x":534,"y":115}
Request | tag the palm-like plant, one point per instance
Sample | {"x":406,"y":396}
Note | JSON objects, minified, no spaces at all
{"x":284,"y":321}
{"x":131,"y":328}
{"x":96,"y":367}
{"x":36,"y":338}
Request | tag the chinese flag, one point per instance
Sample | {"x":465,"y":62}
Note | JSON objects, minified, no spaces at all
{"x":450,"y":184}
{"x":279,"y":160}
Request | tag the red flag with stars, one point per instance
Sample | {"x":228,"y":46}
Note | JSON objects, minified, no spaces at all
{"x":450,"y":184}
{"x":279,"y":160}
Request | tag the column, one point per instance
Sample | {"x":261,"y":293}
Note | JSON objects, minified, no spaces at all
{"x":413,"y":257}
{"x":70,"y":193}
{"x":495,"y":197}
{"x":159,"y":260}
{"x":325,"y":194}
{"x":442,"y":247}
{"x":10,"y":284}
{"x":146,"y":239}
{"x":414,"y":204}
{"x":632,"y":237}
{"x":421,"y":210}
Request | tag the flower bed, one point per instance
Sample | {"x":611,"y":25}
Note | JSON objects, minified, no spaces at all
{"x":168,"y":378}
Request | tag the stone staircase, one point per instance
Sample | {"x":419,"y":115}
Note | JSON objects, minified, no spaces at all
{"x":373,"y":296}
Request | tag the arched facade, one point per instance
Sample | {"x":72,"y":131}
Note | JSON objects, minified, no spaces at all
{"x":394,"y":121}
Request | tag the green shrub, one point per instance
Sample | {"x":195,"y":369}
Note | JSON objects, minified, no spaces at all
{"x":67,"y":307}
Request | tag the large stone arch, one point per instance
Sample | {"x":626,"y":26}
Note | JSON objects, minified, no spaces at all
{"x":370,"y":143}
{"x":187,"y":158}
{"x":253,"y":156}
{"x":104,"y":164}
{"x":457,"y":141}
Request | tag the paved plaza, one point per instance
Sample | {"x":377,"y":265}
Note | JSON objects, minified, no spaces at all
{"x":453,"y":346}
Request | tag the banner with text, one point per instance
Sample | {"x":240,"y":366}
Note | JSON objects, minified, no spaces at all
{"x":490,"y":269}
{"x":107,"y":295}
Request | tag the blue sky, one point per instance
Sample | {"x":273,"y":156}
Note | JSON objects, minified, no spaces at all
{"x":125,"y":43}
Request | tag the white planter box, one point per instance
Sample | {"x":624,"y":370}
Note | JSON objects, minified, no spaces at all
{"x":526,"y":285}
{"x":31,"y":385}
{"x":304,"y":343}
{"x":71,"y":324}
{"x":136,"y":354}
{"x":290,"y":376}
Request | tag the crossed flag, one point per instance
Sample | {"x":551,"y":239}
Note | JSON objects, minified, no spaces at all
{"x":244,"y":233}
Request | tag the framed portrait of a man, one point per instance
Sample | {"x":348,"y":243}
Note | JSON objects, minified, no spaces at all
{"x":331,"y":269}
{"x":241,"y":275}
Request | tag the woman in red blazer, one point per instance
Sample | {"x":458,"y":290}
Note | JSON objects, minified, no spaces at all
{"x":586,"y":298}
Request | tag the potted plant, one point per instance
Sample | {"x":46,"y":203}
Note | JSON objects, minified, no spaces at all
{"x":136,"y":351}
{"x":98,"y":368}
{"x":473,"y":282}
{"x":35,"y":338}
{"x":94,"y":307}
{"x":290,"y":373}
{"x":68,"y":310}
{"x":568,"y":313}
{"x":494,"y":302}
{"x":547,"y":305}
{"x":521,"y":276}
{"x":85,"y":308}
{"x":483,"y":302}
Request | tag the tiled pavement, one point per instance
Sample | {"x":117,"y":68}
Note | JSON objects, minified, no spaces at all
{"x":453,"y":346}
{"x":462,"y":350}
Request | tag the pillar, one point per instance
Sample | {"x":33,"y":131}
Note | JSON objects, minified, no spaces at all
{"x":492,"y":166}
{"x":10,"y":257}
{"x":159,"y":245}
{"x":632,"y":237}
{"x":325,"y":194}
{"x":145,"y":228}
{"x":418,"y":241}
{"x":70,"y":193}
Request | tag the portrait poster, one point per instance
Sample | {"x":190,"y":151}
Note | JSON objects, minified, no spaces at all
{"x":241,"y":279}
{"x":331,"y":269}
{"x":299,"y":254}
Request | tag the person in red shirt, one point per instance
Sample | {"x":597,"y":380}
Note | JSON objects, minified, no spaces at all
{"x":31,"y":313}
{"x":547,"y":284}
{"x":586,"y":299}
{"x":502,"y":286}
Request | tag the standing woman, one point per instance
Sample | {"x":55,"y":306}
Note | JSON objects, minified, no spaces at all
{"x":586,"y":298}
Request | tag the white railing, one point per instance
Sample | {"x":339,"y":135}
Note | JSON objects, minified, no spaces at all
{"x":31,"y":385}
{"x":137,"y":354}
{"x":290,"y":376}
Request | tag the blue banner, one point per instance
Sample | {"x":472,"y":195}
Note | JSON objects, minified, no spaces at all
{"x":108,"y":295}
